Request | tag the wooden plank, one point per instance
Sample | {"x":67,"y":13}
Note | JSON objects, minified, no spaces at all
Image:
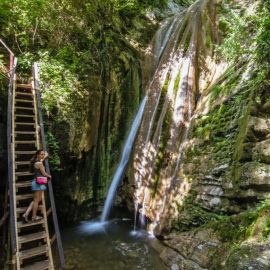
{"x":50,"y":188}
{"x":23,"y":93}
{"x":24,"y":197}
{"x":21,"y":85}
{"x":23,"y":184}
{"x":24,"y":123}
{"x":29,"y":253}
{"x":53,"y":239}
{"x":24,"y":173}
{"x":4,"y":219}
{"x":23,"y":209}
{"x":25,"y":132}
{"x":10,"y":157}
{"x":25,"y":142}
{"x":22,"y":163}
{"x":32,"y":237}
{"x":24,"y":108}
{"x":49,"y":211}
{"x":43,"y":265}
{"x":25,"y":152}
{"x":24,"y":115}
{"x":24,"y":100}
{"x":21,"y":224}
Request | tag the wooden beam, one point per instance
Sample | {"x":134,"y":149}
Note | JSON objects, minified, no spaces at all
{"x":53,"y":239}
{"x":49,"y":211}
{"x":4,"y":219}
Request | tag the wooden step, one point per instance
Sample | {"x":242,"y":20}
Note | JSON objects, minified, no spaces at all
{"x":24,"y":173}
{"x":21,"y":210}
{"x":25,"y":123}
{"x":25,"y":132}
{"x":26,"y":142}
{"x":23,"y":184}
{"x":22,"y":163}
{"x":21,"y":224}
{"x":32,"y":237}
{"x":25,"y":152}
{"x":24,"y":100}
{"x":24,"y":115}
{"x":37,"y":266}
{"x":24,"y":108}
{"x":22,"y":85}
{"x":24,"y":197}
{"x":29,"y":253}
{"x":23,"y":93}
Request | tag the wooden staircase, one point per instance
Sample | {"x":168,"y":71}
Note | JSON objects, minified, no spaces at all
{"x":33,"y":240}
{"x":33,"y":245}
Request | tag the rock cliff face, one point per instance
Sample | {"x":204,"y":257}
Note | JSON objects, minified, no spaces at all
{"x":227,"y":170}
{"x":211,"y":210}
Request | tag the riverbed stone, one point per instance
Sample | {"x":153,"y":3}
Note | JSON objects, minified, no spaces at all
{"x":259,"y":127}
{"x":261,"y":152}
{"x":255,"y":175}
{"x":195,"y":246}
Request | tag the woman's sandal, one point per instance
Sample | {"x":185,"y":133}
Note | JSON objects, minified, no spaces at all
{"x":25,"y":218}
{"x":38,"y":218}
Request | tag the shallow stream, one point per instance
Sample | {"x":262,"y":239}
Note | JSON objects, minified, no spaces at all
{"x":112,"y":245}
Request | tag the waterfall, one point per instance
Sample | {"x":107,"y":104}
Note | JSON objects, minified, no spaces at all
{"x":183,"y":72}
{"x":123,"y":162}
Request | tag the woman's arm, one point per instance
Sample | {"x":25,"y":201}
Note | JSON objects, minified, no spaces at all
{"x":42,"y":169}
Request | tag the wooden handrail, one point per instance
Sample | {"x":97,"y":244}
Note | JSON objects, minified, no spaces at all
{"x":10,"y":151}
{"x":50,"y":188}
{"x":11,"y":56}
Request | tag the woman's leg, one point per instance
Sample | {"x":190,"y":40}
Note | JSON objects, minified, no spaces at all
{"x":40,"y":193}
{"x":28,"y":210}
{"x":35,"y":204}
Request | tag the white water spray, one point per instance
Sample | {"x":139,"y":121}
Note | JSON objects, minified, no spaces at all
{"x":124,"y":160}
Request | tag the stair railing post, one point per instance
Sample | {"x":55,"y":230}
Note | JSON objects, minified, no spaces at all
{"x":11,"y":57}
{"x":50,"y":188}
{"x":10,"y":151}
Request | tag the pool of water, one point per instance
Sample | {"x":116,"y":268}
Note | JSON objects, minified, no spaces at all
{"x":111,"y":245}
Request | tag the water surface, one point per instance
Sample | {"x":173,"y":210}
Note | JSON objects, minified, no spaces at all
{"x":111,"y":245}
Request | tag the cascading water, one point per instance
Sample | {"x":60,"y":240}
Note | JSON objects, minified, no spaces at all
{"x":164,"y":44}
{"x":173,"y":93}
{"x":124,"y":160}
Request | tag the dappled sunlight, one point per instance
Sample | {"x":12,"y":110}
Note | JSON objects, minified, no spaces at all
{"x":185,"y":69}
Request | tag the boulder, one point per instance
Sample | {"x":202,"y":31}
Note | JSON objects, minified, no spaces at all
{"x":193,"y":247}
{"x":261,"y":152}
{"x":258,"y":127}
{"x":255,"y":175}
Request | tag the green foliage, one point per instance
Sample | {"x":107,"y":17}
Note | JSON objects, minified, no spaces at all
{"x":61,"y":91}
{"x":266,"y":228}
{"x":54,"y":150}
{"x":184,"y":3}
{"x":263,"y":40}
{"x":239,"y":26}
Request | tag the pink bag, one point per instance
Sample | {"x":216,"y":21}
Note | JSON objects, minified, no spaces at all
{"x":41,"y":180}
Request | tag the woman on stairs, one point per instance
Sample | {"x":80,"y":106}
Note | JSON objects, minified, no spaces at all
{"x":37,"y":167}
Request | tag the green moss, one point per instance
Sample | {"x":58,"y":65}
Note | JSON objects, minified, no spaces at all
{"x":187,"y":42}
{"x":266,"y":229}
{"x":162,"y":98}
{"x":193,"y":216}
{"x":165,"y":135}
{"x":235,"y":228}
{"x":239,"y":142}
